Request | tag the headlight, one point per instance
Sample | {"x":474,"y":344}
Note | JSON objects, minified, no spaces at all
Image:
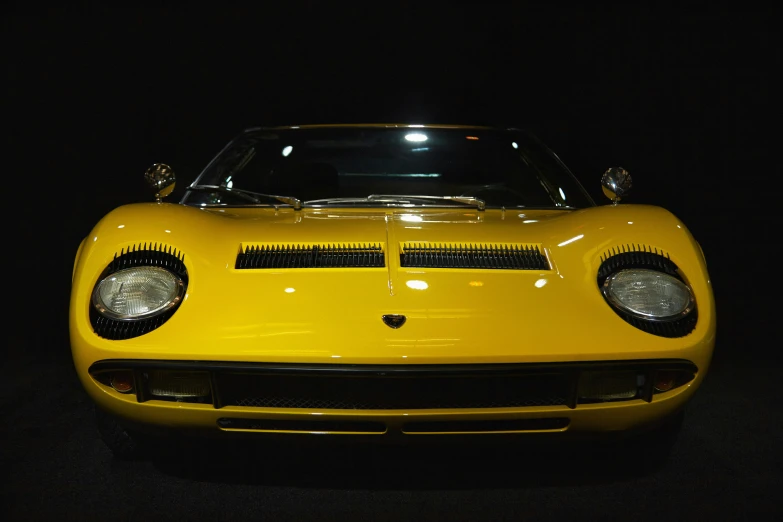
{"x":648,"y":294}
{"x":137,"y":293}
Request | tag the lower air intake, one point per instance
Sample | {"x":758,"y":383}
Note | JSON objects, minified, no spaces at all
{"x":384,"y":392}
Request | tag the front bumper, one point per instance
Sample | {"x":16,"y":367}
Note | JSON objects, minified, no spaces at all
{"x":492,"y":402}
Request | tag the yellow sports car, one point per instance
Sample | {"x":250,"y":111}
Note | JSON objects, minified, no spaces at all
{"x":390,"y":282}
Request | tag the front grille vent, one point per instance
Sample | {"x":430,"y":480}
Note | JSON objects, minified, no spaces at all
{"x":358,"y":392}
{"x":488,"y":256}
{"x":310,"y":256}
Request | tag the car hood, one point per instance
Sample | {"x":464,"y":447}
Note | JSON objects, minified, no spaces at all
{"x":458,"y":314}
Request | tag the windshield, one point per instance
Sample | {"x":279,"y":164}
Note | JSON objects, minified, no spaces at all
{"x":355,"y":166}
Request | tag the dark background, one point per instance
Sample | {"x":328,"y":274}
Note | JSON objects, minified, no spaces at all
{"x":681,"y":97}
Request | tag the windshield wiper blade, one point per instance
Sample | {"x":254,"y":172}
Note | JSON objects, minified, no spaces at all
{"x":467,"y":200}
{"x":337,"y":200}
{"x":395,"y":198}
{"x":247,"y":194}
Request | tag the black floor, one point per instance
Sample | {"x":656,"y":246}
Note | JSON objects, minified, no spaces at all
{"x":726,"y":465}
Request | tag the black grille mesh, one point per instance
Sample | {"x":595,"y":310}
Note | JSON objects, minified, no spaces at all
{"x":310,"y":256}
{"x":382,"y":393}
{"x":642,"y":256}
{"x":503,"y":257}
{"x":152,"y":254}
{"x":312,"y":403}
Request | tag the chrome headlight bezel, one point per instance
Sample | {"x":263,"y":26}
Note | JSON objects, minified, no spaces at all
{"x":642,"y":257}
{"x":116,"y":327}
{"x":173,"y":301}
{"x":612,"y":297}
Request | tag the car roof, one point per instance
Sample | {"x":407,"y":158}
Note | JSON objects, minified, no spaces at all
{"x":377,"y":125}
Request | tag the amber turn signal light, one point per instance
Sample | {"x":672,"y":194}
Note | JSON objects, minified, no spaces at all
{"x":122,"y":382}
{"x":665,"y":380}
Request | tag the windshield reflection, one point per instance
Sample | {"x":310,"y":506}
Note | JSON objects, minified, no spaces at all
{"x":348,"y":165}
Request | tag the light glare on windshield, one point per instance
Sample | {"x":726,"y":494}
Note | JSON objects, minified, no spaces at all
{"x":344,"y":165}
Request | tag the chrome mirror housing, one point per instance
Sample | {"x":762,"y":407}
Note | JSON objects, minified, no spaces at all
{"x":616,"y":183}
{"x":161,"y":178}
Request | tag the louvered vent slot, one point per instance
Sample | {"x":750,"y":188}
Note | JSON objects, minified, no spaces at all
{"x":151,"y":254}
{"x":635,"y":256}
{"x":488,"y":256}
{"x":310,"y":256}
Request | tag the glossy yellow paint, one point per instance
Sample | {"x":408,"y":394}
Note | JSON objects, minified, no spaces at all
{"x":333,"y":315}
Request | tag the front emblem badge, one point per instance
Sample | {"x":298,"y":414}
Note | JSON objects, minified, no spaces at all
{"x":394,"y":320}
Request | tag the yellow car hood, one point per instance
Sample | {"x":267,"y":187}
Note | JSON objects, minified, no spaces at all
{"x":459,"y":315}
